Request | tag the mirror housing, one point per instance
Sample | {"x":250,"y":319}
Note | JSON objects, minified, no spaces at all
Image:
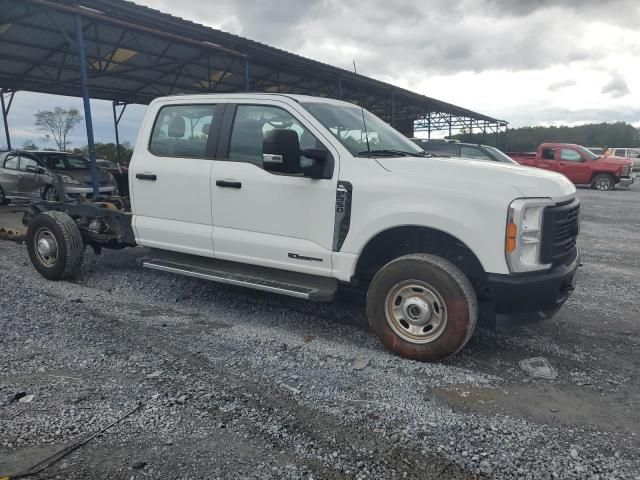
{"x":281,"y":151}
{"x":41,"y":171}
{"x":318,"y":168}
{"x":32,"y":169}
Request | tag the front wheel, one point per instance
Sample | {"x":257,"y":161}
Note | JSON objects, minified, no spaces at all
{"x":603,"y":181}
{"x":55,"y":245}
{"x":422,"y":307}
{"x":50,"y":194}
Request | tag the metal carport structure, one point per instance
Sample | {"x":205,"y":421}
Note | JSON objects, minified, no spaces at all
{"x":119,"y":51}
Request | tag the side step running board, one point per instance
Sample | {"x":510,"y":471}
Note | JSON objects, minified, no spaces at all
{"x":293,"y":284}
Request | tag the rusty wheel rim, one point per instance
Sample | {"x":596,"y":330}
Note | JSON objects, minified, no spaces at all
{"x":416,"y":311}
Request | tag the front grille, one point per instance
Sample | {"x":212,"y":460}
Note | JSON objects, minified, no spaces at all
{"x":560,"y":227}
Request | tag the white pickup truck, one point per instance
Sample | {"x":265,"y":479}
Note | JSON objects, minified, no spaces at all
{"x":297,"y":195}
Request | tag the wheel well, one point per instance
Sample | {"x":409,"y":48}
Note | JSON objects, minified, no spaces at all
{"x":399,"y":241}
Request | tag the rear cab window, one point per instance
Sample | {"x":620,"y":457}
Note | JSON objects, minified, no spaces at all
{"x":183,"y":131}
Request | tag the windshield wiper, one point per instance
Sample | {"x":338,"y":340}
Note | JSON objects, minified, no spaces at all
{"x":389,"y":153}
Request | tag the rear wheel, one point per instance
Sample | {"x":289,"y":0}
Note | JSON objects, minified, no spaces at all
{"x":55,"y":245}
{"x":603,"y":181}
{"x":422,"y":307}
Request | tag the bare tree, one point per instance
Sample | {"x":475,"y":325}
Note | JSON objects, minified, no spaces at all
{"x":58,"y":122}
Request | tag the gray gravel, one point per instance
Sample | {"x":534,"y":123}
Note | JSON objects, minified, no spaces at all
{"x":240,"y":384}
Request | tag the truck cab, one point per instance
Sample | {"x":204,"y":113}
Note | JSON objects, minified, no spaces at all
{"x":299,"y":195}
{"x":579,"y":164}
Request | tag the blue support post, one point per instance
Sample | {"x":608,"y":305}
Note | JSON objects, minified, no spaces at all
{"x":87,"y":106}
{"x":5,"y":113}
{"x":247,"y":80}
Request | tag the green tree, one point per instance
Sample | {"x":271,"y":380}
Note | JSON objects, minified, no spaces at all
{"x":58,"y":123}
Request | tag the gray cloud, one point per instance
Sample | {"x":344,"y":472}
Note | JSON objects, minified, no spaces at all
{"x":559,"y":85}
{"x":616,"y":87}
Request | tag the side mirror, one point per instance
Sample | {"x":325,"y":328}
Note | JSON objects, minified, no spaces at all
{"x":32,"y":169}
{"x":41,"y":171}
{"x":281,"y":151}
{"x":317,"y":167}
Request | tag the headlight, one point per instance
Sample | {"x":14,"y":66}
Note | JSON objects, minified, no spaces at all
{"x":524,"y":234}
{"x":68,"y":179}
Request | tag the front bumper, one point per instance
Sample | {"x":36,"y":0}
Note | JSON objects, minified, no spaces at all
{"x":72,"y":193}
{"x":533,"y":292}
{"x":626,"y":181}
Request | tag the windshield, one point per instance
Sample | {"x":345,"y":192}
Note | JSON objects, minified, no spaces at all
{"x":368,"y":138}
{"x":588,"y":153}
{"x":500,"y":155}
{"x":60,"y":161}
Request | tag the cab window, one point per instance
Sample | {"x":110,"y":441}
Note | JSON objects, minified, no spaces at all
{"x":253,"y":122}
{"x":182,"y":131}
{"x":548,"y":154}
{"x":619,"y":152}
{"x":569,"y":155}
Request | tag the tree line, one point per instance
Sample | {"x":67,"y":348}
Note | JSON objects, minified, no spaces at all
{"x":527,"y":139}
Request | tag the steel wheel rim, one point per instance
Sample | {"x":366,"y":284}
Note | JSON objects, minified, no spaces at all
{"x":51,"y":194}
{"x":416,"y":311}
{"x":603,"y":184}
{"x":46,"y":247}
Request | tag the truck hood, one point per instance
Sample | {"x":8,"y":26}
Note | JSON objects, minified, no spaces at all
{"x":615,"y":161}
{"x":529,"y":181}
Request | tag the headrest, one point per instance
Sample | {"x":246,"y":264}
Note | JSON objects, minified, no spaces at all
{"x":176,"y":127}
{"x":205,"y":128}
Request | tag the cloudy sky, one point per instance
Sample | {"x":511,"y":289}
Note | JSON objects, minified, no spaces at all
{"x":529,"y":62}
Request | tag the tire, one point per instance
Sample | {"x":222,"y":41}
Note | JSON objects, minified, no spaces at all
{"x":603,"y":181}
{"x":422,"y":307}
{"x":55,"y":245}
{"x":3,"y":199}
{"x":50,"y":194}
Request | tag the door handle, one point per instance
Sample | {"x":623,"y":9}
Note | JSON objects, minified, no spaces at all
{"x":146,"y":176}
{"x":228,"y":184}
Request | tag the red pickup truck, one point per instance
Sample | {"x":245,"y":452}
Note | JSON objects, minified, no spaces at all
{"x":580,"y":165}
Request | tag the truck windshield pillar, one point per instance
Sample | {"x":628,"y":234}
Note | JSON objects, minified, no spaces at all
{"x":5,"y":115}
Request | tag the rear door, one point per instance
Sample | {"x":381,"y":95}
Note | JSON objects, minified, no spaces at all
{"x":547,"y":159}
{"x":170,"y":177}
{"x":10,"y":174}
{"x":574,"y":166}
{"x":265,"y":218}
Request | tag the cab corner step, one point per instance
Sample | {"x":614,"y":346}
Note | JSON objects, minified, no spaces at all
{"x":299,"y":285}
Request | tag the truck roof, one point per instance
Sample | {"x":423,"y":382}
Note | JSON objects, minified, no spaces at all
{"x":212,"y":96}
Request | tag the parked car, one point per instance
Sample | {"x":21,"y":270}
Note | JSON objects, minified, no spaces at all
{"x":292,"y":195}
{"x":119,"y":172}
{"x":463,"y":150}
{"x":632,"y":154}
{"x":53,"y":176}
{"x":579,"y":165}
{"x":597,"y":150}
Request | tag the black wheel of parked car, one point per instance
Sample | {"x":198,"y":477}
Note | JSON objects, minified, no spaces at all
{"x":422,"y":307}
{"x":55,"y":245}
{"x":50,"y":194}
{"x":603,"y":181}
{"x":3,"y":199}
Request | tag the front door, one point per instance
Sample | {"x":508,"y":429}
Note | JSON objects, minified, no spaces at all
{"x":30,"y":182}
{"x":170,"y":178}
{"x":573,"y":166}
{"x":265,"y":218}
{"x":10,"y":174}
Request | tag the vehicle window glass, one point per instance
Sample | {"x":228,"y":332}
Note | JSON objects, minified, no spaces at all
{"x":473,"y":152}
{"x":361,"y":132}
{"x":548,"y":154}
{"x":26,"y":161}
{"x":634,"y":154}
{"x":619,"y":152}
{"x":570,"y":155}
{"x":182,"y":131}
{"x":11,"y":162}
{"x":62,"y":161}
{"x":253,"y":122}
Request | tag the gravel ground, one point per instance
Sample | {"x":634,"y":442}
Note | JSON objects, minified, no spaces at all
{"x":232,"y":383}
